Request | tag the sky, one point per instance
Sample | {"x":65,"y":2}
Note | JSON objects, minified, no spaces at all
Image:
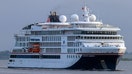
{"x":15,"y":14}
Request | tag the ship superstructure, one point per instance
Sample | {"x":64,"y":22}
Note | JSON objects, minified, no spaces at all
{"x":86,"y":44}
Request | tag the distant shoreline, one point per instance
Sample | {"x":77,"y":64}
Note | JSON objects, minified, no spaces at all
{"x":126,"y":59}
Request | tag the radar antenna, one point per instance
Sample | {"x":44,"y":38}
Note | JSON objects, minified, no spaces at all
{"x":84,"y":2}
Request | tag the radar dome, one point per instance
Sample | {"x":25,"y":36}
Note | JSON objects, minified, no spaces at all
{"x":62,"y":18}
{"x":74,"y":17}
{"x":92,"y":18}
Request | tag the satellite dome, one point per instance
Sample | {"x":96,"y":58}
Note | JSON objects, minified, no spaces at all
{"x":74,"y":17}
{"x":62,"y":18}
{"x":92,"y":18}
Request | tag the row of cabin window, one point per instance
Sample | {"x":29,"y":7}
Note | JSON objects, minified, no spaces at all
{"x":51,"y":32}
{"x":22,"y":44}
{"x":46,"y":32}
{"x":36,"y":56}
{"x":71,"y":38}
{"x":51,"y":44}
{"x":92,"y":37}
{"x":96,"y":32}
{"x":57,"y":38}
{"x":48,"y":38}
{"x":73,"y":56}
{"x":72,"y":44}
{"x":53,"y":50}
{"x":22,"y":39}
{"x":74,"y":50}
{"x":51,"y":38}
{"x":75,"y":32}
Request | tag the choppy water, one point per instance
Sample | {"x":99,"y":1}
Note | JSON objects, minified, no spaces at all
{"x":124,"y":67}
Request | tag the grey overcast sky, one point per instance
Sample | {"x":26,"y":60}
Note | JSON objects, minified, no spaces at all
{"x":15,"y":14}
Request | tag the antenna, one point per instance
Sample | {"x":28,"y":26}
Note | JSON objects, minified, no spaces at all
{"x":85,"y":12}
{"x":84,"y":2}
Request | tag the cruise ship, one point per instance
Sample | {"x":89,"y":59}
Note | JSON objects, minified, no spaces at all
{"x":75,"y":44}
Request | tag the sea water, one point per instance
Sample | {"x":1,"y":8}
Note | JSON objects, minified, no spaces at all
{"x":124,"y":67}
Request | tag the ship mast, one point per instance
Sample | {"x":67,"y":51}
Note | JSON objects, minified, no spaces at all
{"x":85,"y":12}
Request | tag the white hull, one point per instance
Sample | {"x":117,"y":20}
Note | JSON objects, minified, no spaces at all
{"x":70,"y":60}
{"x":44,"y":63}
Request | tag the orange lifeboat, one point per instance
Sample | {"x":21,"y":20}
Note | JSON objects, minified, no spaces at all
{"x":35,"y":49}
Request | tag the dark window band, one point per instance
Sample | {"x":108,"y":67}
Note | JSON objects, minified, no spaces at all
{"x":36,"y":56}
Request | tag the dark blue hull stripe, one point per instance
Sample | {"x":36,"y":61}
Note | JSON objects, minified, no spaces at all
{"x":97,"y":62}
